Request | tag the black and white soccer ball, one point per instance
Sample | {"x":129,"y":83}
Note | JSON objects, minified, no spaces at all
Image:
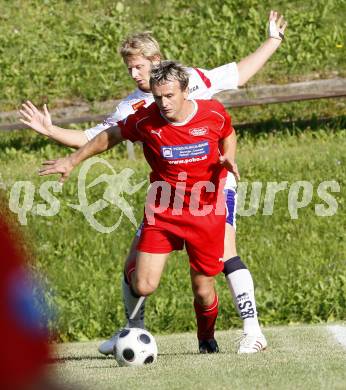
{"x":135,"y":347}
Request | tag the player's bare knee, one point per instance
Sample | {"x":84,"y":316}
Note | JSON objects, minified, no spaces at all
{"x":144,"y":287}
{"x":204,"y":294}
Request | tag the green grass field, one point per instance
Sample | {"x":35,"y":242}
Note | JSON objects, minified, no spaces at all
{"x":298,"y":357}
{"x":299,"y":265}
{"x":64,"y":52}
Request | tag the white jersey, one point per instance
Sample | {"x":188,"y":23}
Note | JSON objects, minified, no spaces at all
{"x":203,"y":84}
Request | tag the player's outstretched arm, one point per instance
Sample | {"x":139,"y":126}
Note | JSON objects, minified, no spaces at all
{"x":64,"y":166}
{"x":229,"y":146}
{"x":41,"y":122}
{"x":251,"y":64}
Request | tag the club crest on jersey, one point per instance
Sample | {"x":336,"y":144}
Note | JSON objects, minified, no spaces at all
{"x":199,"y":131}
{"x":138,"y":105}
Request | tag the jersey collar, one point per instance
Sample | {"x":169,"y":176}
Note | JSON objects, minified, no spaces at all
{"x":188,"y":118}
{"x":142,"y":93}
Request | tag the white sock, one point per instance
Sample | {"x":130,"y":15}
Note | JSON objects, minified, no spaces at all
{"x":241,"y":285}
{"x":130,"y":302}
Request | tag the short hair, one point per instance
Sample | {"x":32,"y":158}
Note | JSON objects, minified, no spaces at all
{"x":169,"y":71}
{"x":143,"y":44}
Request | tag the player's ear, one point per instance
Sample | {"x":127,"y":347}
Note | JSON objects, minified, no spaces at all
{"x":186,"y":93}
{"x":156,"y":60}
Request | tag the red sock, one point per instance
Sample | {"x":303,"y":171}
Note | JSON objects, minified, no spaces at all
{"x":206,"y":317}
{"x":129,"y":268}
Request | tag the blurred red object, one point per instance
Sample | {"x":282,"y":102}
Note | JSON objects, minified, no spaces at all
{"x":23,"y":340}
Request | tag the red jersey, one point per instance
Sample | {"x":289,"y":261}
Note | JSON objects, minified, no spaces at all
{"x":191,"y":147}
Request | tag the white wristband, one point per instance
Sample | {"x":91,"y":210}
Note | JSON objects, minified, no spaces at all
{"x":274,"y":32}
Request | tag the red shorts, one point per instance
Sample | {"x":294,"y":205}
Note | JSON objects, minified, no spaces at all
{"x":203,"y":238}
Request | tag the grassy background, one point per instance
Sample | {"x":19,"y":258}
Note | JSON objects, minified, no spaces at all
{"x":299,"y":266}
{"x":62,"y":52}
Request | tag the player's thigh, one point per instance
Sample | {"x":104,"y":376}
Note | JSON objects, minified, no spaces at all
{"x":204,"y":242}
{"x":149,"y":268}
{"x":131,"y":257}
{"x":203,"y":287}
{"x":230,"y":249}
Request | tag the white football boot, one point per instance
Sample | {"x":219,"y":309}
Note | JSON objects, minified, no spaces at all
{"x":130,"y":303}
{"x":106,"y":348}
{"x":252,"y":343}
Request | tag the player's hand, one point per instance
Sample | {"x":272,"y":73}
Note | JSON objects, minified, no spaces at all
{"x":35,"y":119}
{"x":230,"y":165}
{"x":63,"y":166}
{"x":277,"y":25}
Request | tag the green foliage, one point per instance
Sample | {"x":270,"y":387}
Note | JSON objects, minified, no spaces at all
{"x":299,"y":265}
{"x":59,"y":51}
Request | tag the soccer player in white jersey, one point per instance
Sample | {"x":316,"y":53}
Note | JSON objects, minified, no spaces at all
{"x":140,"y":52}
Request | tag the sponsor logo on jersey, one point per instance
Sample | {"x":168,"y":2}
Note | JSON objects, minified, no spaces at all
{"x":199,"y":131}
{"x":138,"y":105}
{"x":167,"y":152}
{"x":177,"y":152}
{"x":158,"y":132}
{"x":193,"y":89}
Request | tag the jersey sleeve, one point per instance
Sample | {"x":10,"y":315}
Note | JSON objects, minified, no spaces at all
{"x":227,"y":127}
{"x":223,"y":78}
{"x":110,"y":121}
{"x":129,"y":127}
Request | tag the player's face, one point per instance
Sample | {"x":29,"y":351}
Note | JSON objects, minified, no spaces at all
{"x":171,"y":100}
{"x":139,"y":69}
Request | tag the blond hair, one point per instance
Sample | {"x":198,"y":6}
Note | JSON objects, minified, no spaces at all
{"x":143,"y":44}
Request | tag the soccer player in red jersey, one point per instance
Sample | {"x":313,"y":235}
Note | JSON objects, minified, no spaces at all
{"x":140,"y":52}
{"x":181,"y":140}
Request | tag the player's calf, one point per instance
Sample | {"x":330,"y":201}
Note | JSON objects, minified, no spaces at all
{"x":130,"y":300}
{"x":241,"y":285}
{"x":206,"y":318}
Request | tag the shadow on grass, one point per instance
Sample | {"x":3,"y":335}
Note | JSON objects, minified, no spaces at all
{"x":189,"y":354}
{"x":78,"y":358}
{"x":28,"y":141}
{"x":92,"y":357}
{"x":277,"y":125}
{"x":23,"y":140}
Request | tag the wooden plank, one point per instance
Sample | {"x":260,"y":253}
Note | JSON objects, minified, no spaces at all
{"x":316,"y":89}
{"x":270,"y":124}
